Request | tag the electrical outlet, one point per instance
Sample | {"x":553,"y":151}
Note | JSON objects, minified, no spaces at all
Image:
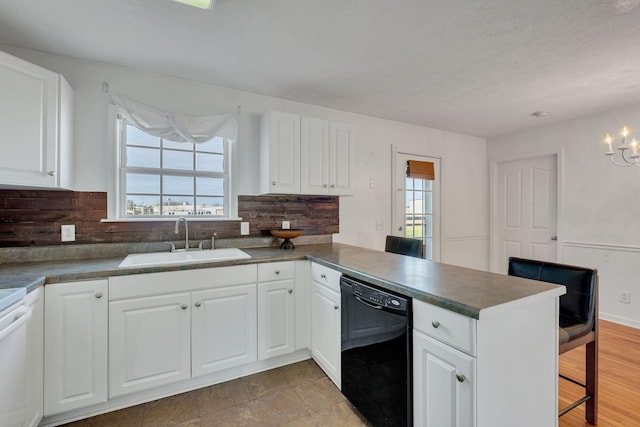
{"x":625,"y":297}
{"x":244,"y":228}
{"x":67,"y":233}
{"x":379,"y":224}
{"x":286,"y":225}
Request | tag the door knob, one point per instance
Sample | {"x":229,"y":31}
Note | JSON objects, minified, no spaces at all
{"x":290,"y":291}
{"x":335,"y":307}
{"x":460,"y":377}
{"x":198,"y":304}
{"x":98,"y":294}
{"x":554,"y":237}
{"x":400,"y":228}
{"x":184,"y":306}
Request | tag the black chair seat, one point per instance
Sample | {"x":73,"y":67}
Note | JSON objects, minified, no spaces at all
{"x":578,"y":319}
{"x":404,"y":246}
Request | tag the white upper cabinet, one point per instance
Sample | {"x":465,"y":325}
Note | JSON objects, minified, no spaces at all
{"x":305,"y":155}
{"x":36,"y":113}
{"x":280,"y":153}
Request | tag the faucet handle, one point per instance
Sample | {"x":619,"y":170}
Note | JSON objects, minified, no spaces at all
{"x":172,"y":248}
{"x":201,"y":245}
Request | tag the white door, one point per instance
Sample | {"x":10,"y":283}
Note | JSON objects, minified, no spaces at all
{"x":276,"y":328}
{"x":416,"y":205}
{"x":443,"y":390}
{"x":282,"y":131}
{"x":526,"y":210}
{"x":325,"y":330}
{"x":149,"y":342}
{"x":75,"y":345}
{"x":223,"y":328}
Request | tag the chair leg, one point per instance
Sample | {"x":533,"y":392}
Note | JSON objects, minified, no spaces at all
{"x":591,"y":385}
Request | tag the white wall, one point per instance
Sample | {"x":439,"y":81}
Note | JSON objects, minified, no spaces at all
{"x":600,"y":222}
{"x":465,"y":177}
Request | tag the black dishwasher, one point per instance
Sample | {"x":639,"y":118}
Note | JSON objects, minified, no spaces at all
{"x":376,"y":353}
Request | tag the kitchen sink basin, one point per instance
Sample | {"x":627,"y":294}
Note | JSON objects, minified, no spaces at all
{"x":179,"y":258}
{"x":10,"y":296}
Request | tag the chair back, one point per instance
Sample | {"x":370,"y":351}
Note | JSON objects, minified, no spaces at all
{"x":404,"y":246}
{"x":578,"y":304}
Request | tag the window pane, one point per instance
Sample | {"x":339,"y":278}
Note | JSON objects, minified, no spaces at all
{"x":216,"y":145}
{"x":428,"y":203}
{"x":409,"y":184}
{"x":142,"y":205}
{"x":177,"y":160}
{"x":210,"y":205}
{"x":183,"y":146}
{"x":137,"y":137}
{"x":209,"y":162}
{"x":427,"y":219}
{"x":177,"y":205}
{"x":143,"y":157}
{"x":418,"y":183}
{"x":428,"y":184}
{"x":143,"y":183}
{"x":209,"y":186}
{"x":177,"y":184}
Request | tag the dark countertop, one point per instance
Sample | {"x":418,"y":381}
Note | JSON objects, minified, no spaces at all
{"x":459,"y":289}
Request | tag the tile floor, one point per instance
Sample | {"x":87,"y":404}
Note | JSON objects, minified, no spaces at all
{"x":294,"y":395}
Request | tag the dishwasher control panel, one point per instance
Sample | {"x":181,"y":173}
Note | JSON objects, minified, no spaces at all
{"x":378,"y":297}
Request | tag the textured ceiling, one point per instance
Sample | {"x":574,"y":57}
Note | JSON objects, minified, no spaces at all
{"x":479,"y":67}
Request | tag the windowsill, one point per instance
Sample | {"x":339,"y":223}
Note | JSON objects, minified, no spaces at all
{"x":188,"y":218}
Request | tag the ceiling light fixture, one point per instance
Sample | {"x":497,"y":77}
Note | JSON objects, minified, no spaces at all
{"x":538,"y":114}
{"x":201,"y":4}
{"x":622,"y":147}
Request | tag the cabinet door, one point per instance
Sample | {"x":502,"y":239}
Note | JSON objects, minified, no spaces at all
{"x":280,"y":153}
{"x":325,"y":330}
{"x":443,"y":384}
{"x":75,"y":345}
{"x":35,"y":357}
{"x":314,"y":154}
{"x":149,"y":342}
{"x":223,"y":328}
{"x":340,"y":159}
{"x":276,"y":328}
{"x":28,"y":119}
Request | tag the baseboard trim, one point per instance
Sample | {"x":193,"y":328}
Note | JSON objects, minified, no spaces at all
{"x":620,"y":320}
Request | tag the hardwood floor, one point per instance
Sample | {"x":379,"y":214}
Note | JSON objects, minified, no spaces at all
{"x":619,"y":379}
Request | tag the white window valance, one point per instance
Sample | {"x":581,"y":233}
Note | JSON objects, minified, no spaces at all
{"x":176,"y":127}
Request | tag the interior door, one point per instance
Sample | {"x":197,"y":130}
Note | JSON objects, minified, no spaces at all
{"x":416,"y":205}
{"x":526,"y":215}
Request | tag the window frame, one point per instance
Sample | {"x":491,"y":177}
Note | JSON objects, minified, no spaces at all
{"x":116,"y":195}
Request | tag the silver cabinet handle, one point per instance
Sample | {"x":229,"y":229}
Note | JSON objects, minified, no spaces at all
{"x":277,"y":271}
{"x":435,"y":324}
{"x":273,"y":183}
{"x":460,"y":377}
{"x":184,"y":306}
{"x":554,"y":237}
{"x":323,"y":276}
{"x":98,"y":295}
{"x":51,"y":173}
{"x":335,"y":307}
{"x":198,"y":304}
{"x":290,"y":291}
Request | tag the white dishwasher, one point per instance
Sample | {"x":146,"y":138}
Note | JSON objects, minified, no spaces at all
{"x":13,"y":356}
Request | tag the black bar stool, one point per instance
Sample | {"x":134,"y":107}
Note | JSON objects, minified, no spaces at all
{"x":404,"y":246}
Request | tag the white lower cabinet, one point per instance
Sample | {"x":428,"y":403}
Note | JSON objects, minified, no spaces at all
{"x":223,"y":331}
{"x":276,"y":304}
{"x":75,"y":345}
{"x":443,"y":379}
{"x":35,"y":357}
{"x":149,"y":342}
{"x":326,"y":321}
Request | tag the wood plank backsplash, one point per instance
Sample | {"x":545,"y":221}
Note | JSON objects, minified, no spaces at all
{"x":34,"y":217}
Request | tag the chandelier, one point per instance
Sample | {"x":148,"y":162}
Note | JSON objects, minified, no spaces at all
{"x":629,"y":158}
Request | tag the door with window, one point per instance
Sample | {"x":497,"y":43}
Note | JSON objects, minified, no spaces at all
{"x":416,"y":201}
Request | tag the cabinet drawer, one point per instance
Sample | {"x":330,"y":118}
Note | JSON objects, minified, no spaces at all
{"x":326,"y":276}
{"x":275,"y":271}
{"x":446,"y":326}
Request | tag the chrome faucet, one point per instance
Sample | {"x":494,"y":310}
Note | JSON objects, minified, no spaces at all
{"x":186,"y":230}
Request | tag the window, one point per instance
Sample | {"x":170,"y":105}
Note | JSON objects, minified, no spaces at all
{"x":419,"y":212}
{"x":160,"y":178}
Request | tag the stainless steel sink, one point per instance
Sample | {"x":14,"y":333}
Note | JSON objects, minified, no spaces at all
{"x":11,"y":296}
{"x":179,"y":258}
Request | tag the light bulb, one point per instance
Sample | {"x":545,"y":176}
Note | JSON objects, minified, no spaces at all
{"x":625,"y":132}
